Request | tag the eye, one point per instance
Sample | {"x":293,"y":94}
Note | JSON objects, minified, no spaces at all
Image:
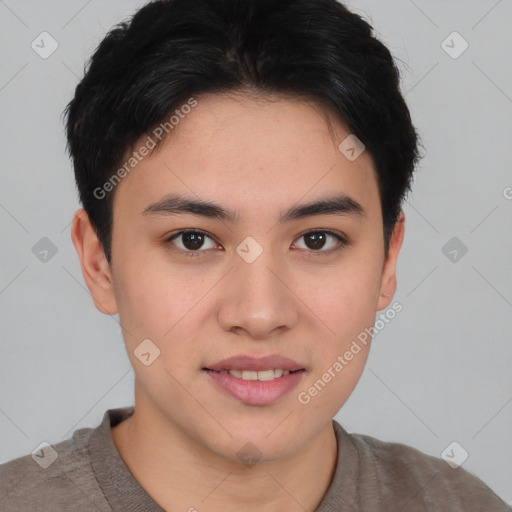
{"x":316,"y":240}
{"x":192,"y":240}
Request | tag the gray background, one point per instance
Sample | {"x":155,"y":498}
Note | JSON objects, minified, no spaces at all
{"x":439,"y":372}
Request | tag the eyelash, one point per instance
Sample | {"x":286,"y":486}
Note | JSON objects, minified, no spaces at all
{"x":168,"y":242}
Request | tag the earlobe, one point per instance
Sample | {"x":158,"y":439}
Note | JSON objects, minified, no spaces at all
{"x":388,"y":280}
{"x":94,"y":264}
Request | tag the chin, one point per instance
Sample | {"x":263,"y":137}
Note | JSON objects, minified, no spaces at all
{"x":266,"y":442}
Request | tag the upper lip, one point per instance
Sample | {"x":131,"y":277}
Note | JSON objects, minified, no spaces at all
{"x":247,"y":362}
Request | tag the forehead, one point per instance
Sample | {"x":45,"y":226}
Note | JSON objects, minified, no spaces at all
{"x":251,"y":154}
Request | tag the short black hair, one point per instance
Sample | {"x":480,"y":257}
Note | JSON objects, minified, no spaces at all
{"x":170,"y":51}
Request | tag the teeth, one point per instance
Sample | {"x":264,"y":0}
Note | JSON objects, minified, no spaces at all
{"x":264,"y":375}
{"x":261,"y":375}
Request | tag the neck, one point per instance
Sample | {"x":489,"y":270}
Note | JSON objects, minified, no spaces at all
{"x":179,"y":473}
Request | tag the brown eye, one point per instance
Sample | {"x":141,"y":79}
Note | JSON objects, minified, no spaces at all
{"x":191,"y":242}
{"x":318,"y":240}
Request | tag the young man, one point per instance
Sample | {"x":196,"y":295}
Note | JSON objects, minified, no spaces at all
{"x":242,"y":165}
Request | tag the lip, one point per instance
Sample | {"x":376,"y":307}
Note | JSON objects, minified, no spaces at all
{"x":255,"y":392}
{"x":256,"y":364}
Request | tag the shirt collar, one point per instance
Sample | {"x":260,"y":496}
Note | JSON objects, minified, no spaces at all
{"x":121,"y":489}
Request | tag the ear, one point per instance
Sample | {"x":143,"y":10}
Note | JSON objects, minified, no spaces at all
{"x":95,"y":267}
{"x":388,"y":280}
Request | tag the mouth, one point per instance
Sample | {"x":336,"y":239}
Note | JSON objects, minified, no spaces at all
{"x":262,"y":375}
{"x":255,"y":380}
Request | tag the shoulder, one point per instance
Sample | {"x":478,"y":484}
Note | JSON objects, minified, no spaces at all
{"x":56,"y":477}
{"x":423,"y":481}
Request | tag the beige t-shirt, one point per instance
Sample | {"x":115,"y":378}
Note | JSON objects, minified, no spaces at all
{"x":371,"y":476}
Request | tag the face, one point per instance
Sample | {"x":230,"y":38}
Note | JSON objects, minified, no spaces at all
{"x":259,"y":277}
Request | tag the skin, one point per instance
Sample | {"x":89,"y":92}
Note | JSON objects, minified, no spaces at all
{"x":258,"y":158}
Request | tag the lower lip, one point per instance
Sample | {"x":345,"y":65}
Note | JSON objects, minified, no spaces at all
{"x":256,"y":392}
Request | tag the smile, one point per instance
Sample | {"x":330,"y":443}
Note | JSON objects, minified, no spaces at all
{"x":262,"y":375}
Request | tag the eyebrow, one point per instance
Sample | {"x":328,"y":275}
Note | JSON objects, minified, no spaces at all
{"x":174,"y":204}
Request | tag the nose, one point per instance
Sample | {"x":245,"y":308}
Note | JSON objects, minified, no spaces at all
{"x":259,"y":301}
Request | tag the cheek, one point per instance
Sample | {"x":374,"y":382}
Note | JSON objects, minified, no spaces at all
{"x":145,"y":301}
{"x":161,"y":303}
{"x":344,"y":299}
{"x":330,"y":385}
{"x":146,"y":286}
